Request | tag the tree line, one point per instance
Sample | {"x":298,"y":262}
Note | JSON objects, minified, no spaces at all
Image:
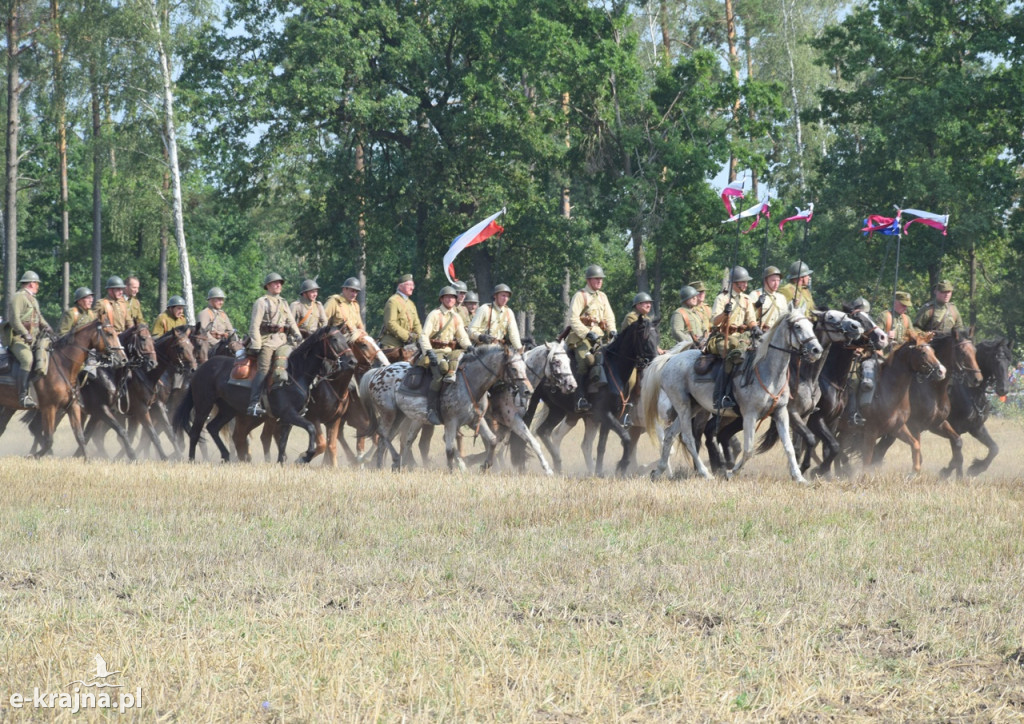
{"x":197,"y":144}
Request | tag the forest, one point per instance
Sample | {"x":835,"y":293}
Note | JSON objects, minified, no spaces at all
{"x":198,"y":144}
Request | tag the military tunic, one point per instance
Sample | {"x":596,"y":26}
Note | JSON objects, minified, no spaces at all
{"x":215,"y":323}
{"x":740,"y":319}
{"x":938,"y":317}
{"x":688,"y":323}
{"x":499,"y":322}
{"x":896,"y":326}
{"x":341,"y":311}
{"x":114,"y":312}
{"x":165,"y":323}
{"x":269,"y":327}
{"x":464,"y":313}
{"x":308,"y":317}
{"x":135,"y":311}
{"x":802,"y":296}
{"x":27,"y":323}
{"x":74,"y":319}
{"x":401,"y":322}
{"x":444,"y":332}
{"x":771,"y":310}
{"x":589,"y":311}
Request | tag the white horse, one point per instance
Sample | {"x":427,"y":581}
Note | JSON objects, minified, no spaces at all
{"x":462,"y":403}
{"x":678,"y":379}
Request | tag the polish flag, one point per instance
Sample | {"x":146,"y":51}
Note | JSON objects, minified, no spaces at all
{"x":936,"y":221}
{"x":481,"y":232}
{"x":801,"y":215}
{"x":733,"y":190}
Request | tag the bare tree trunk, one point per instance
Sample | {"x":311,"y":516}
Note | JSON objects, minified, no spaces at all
{"x":165,"y":241}
{"x":754,"y":187}
{"x":62,"y":152}
{"x":171,"y":143}
{"x":361,"y":227}
{"x":666,"y":38}
{"x":566,"y":294}
{"x":566,"y":213}
{"x":787,"y":30}
{"x":734,"y":63}
{"x":14,"y":89}
{"x":97,"y":185}
{"x":973,"y":290}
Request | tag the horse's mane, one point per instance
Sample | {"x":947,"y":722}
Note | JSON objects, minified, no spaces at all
{"x":312,"y":339}
{"x":65,"y":339}
{"x":615,"y":345}
{"x":769,"y":337}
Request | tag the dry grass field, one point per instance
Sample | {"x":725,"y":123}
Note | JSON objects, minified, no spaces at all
{"x":262,"y":593}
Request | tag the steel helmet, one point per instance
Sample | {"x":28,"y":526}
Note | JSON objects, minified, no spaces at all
{"x":448,"y":291}
{"x":501,"y":288}
{"x":215,"y":293}
{"x":740,"y":274}
{"x":799,"y":269}
{"x":594,"y":272}
{"x":29,"y":276}
{"x":115,"y":282}
{"x":862,"y":304}
{"x":687,"y":292}
{"x":471,"y":298}
{"x":272,"y":277}
{"x":352,"y":283}
{"x":82,"y":292}
{"x":175,"y":301}
{"x":460,"y":287}
{"x":641,"y":298}
{"x":770,"y":270}
{"x":308,"y":285}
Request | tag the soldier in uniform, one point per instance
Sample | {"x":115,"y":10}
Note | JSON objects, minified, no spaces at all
{"x":78,"y":314}
{"x":687,"y":322}
{"x":939,"y":314}
{"x":769,"y":303}
{"x":344,"y":308}
{"x":213,"y":323}
{"x":131,"y":294}
{"x":798,"y":290}
{"x":171,"y":318}
{"x":469,"y":304}
{"x":496,"y":322}
{"x":642,"y":303}
{"x":443,"y":340}
{"x":272,"y":333}
{"x":309,"y":313}
{"x":401,"y":320}
{"x":591,"y":323}
{"x":896,"y":323}
{"x":701,"y":307}
{"x":733,"y":317}
{"x":462,"y":290}
{"x":30,"y":340}
{"x":113,"y":308}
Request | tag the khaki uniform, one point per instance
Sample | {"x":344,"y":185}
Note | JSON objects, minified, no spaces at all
{"x":135,"y":311}
{"x":74,"y":319}
{"x":771,"y":310}
{"x":401,"y":322}
{"x":942,"y":318}
{"x":215,"y":323}
{"x":341,"y":311}
{"x":308,"y":317}
{"x":896,"y":326}
{"x":589,"y":311}
{"x":802,"y":296}
{"x":269,"y":327}
{"x":464,"y":313}
{"x":165,"y":323}
{"x":499,"y":322}
{"x":688,"y":323}
{"x":444,"y":332}
{"x":114,"y":312}
{"x":740,"y":320}
{"x":27,"y":328}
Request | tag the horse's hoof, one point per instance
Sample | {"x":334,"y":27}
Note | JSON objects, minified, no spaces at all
{"x":729,"y":474}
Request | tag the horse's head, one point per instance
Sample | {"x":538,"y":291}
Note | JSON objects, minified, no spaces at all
{"x":996,"y":359}
{"x":515,"y":371}
{"x":874,"y":334}
{"x":337,"y":353}
{"x":104,"y":339}
{"x":558,"y":367}
{"x":365,"y":348}
{"x":638,"y":343}
{"x":965,"y":361}
{"x":837,"y":326}
{"x":923,"y":362}
{"x":138,"y":347}
{"x":800,"y":335}
{"x":176,"y":347}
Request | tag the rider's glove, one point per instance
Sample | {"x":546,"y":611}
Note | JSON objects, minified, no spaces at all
{"x":486,"y":338}
{"x":592,"y":337}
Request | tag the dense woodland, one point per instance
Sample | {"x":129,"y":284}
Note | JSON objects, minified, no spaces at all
{"x":214,"y":142}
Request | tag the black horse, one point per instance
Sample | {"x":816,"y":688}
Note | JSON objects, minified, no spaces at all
{"x":633,"y":349}
{"x":322,"y":353}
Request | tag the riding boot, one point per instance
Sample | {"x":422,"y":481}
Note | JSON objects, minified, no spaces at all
{"x":25,"y":396}
{"x":434,"y":405}
{"x":255,"y":408}
{"x":723,"y":387}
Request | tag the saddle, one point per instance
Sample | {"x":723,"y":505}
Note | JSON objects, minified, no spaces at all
{"x":706,"y":364}
{"x":6,"y":362}
{"x":244,"y":369}
{"x":416,"y":382}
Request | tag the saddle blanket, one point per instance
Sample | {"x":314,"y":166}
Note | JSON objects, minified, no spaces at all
{"x":416,"y":382}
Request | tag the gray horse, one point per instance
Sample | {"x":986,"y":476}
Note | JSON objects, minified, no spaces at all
{"x":463,"y":403}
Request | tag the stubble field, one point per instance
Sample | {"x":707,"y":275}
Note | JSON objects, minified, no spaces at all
{"x":262,"y":593}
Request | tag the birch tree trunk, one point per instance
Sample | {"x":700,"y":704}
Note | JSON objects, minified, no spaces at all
{"x":14,"y":89}
{"x":62,"y":152}
{"x":97,"y":184}
{"x":734,"y":64}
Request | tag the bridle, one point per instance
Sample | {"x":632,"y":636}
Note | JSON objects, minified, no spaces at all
{"x":805,"y":344}
{"x":929,"y":370}
{"x":961,"y":370}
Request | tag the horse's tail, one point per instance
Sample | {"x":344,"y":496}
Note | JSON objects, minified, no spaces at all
{"x":649,"y":392}
{"x":768,"y":440}
{"x":181,"y":421}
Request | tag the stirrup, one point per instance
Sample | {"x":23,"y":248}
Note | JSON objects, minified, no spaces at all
{"x":28,"y":402}
{"x":857,"y":419}
{"x":583,"y":404}
{"x":726,"y":403}
{"x":448,"y":380}
{"x":255,"y":410}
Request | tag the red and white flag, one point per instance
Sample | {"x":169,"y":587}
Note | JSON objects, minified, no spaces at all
{"x":758,"y":210}
{"x":481,"y":232}
{"x":733,"y":190}
{"x":936,"y":221}
{"x":801,"y":215}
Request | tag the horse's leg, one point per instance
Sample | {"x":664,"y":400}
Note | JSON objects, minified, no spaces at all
{"x":267,"y":435}
{"x":980,"y":465}
{"x":829,"y":447}
{"x":523,"y":432}
{"x":490,"y":441}
{"x":412,"y":427}
{"x":48,"y":422}
{"x":907,"y":436}
{"x":74,"y":417}
{"x":882,"y":447}
{"x":683,"y":427}
{"x":782,"y":418}
{"x":668,"y":440}
{"x":956,"y":447}
{"x":332,"y":434}
{"x":426,"y":437}
{"x":149,"y":428}
{"x":749,"y":425}
{"x":604,"y":427}
{"x":223,"y":417}
{"x":544,"y":433}
{"x":590,"y":429}
{"x":107,"y":415}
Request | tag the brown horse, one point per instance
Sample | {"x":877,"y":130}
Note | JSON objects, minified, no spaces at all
{"x":57,"y":390}
{"x":890,"y":409}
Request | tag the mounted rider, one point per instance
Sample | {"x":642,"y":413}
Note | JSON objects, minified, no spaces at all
{"x":469,"y":305}
{"x":213,"y":323}
{"x":769,"y":303}
{"x":343,"y":309}
{"x":308,"y":312}
{"x":642,"y":303}
{"x":443,"y":340}
{"x":29,"y":337}
{"x":401,"y":320}
{"x":702,"y":308}
{"x":171,"y":318}
{"x":113,"y":308}
{"x":798,"y":291}
{"x":939,"y":314}
{"x":733,"y":319}
{"x":78,"y":314}
{"x":591,"y":324}
{"x":272,"y":334}
{"x":460,"y":298}
{"x":896,"y":323}
{"x":687,"y":321}
{"x":131,"y":295}
{"x":496,"y":322}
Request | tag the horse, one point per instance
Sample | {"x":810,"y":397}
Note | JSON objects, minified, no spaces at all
{"x":57,"y":390}
{"x":632,"y":349}
{"x":320,"y":353}
{"x":889,"y":411}
{"x":464,"y":402}
{"x":930,"y":404}
{"x":969,"y":408}
{"x":679,"y":380}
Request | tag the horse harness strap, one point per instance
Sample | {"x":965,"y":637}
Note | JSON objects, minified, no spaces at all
{"x":775,"y":397}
